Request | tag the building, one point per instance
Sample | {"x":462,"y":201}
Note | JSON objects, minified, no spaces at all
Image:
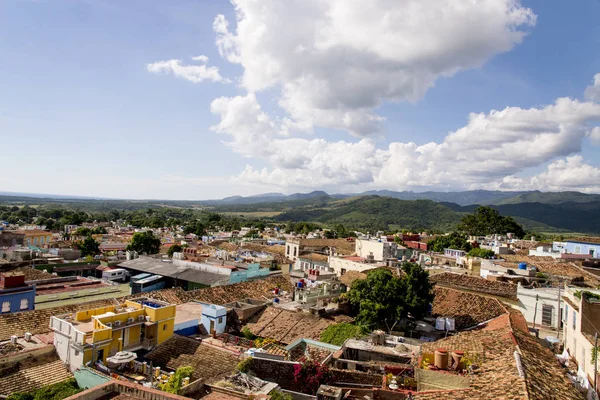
{"x":92,"y":335}
{"x":341,"y":265}
{"x":540,"y":306}
{"x":35,"y":237}
{"x":376,"y":249}
{"x":11,"y":239}
{"x":454,"y":253}
{"x":581,"y":322}
{"x":124,"y":390}
{"x":295,"y":248}
{"x":15,"y":294}
{"x":588,"y":247}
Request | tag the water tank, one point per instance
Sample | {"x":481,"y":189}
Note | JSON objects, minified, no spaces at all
{"x":276,"y":300}
{"x":522,"y":265}
{"x":300,"y":284}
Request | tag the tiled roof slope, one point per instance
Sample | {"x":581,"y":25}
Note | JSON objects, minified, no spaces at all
{"x":468,"y":309}
{"x":287,"y":326}
{"x":462,"y":281}
{"x":497,"y":376}
{"x":38,"y":321}
{"x":208,"y":361}
{"x":172,"y":296}
{"x":32,"y":374}
{"x":550,"y":266}
{"x":229,"y":293}
{"x":32,"y":274}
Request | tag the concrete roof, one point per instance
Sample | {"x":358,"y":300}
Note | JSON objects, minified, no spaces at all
{"x":168,"y":269}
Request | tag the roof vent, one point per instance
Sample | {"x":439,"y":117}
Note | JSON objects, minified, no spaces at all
{"x":13,"y":339}
{"x":28,"y":336}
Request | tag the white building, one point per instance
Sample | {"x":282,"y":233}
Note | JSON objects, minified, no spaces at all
{"x":376,"y":249}
{"x":581,"y":321}
{"x":544,"y":251}
{"x":341,"y":265}
{"x":540,"y":306}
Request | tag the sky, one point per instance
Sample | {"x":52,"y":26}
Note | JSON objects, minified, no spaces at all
{"x":202,"y":99}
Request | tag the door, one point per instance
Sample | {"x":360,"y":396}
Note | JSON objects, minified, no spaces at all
{"x":100,"y":355}
{"x":212,"y":326}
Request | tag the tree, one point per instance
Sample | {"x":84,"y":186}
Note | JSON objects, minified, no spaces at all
{"x":488,"y":221}
{"x":176,"y":248}
{"x":481,"y":253}
{"x":89,"y":247}
{"x":455,"y":240}
{"x":279,"y":395}
{"x":383,"y":299}
{"x":144,"y":242}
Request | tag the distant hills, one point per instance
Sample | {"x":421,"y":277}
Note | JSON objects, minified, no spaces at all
{"x":382,"y":209}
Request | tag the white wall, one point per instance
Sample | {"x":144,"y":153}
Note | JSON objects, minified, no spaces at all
{"x":341,"y":266}
{"x":364,"y":247}
{"x":545,"y":296}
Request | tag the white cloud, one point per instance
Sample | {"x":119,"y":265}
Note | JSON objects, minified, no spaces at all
{"x":336,"y":61}
{"x":592,"y":92}
{"x":570,"y":173}
{"x":192,"y":73}
{"x":487,"y":149}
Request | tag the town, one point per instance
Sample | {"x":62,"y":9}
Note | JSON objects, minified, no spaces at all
{"x":107,"y":310}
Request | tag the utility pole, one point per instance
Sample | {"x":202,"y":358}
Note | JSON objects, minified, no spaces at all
{"x":595,"y":362}
{"x":535,"y":310}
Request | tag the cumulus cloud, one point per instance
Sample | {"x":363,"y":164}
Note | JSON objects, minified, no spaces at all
{"x":489,"y":148}
{"x":570,"y":173}
{"x":592,"y":92}
{"x":336,"y":62}
{"x":192,"y":73}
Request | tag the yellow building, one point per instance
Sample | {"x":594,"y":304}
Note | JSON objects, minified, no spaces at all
{"x":92,"y":335}
{"x":35,"y":237}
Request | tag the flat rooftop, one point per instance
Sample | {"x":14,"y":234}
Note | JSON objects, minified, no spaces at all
{"x":188,"y":311}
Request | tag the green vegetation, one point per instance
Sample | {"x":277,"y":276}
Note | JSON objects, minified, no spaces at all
{"x":383,"y":299}
{"x":245,"y":365}
{"x":279,"y":395}
{"x":88,"y":247}
{"x":58,"y":391}
{"x":488,"y":221}
{"x":337,"y":334}
{"x":175,"y":382}
{"x":481,"y":253}
{"x":586,"y":295}
{"x":144,"y":242}
{"x":176,"y":248}
{"x":247,"y":333}
{"x":454,"y":240}
{"x":83,"y":231}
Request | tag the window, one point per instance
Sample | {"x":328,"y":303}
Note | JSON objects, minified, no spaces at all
{"x":295,"y":251}
{"x":6,"y":306}
{"x":547,"y":311}
{"x":343,"y":271}
{"x":574,"y":319}
{"x":566,"y":312}
{"x":164,"y":327}
{"x":220,"y":320}
{"x":592,"y":253}
{"x":287,"y":250}
{"x":76,"y":353}
{"x":24,"y":304}
{"x":577,"y":250}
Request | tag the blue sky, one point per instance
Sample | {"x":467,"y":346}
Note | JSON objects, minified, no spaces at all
{"x":82,"y":113}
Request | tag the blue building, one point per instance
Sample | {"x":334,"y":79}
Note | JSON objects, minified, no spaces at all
{"x":582,"y":247}
{"x":15,"y":294}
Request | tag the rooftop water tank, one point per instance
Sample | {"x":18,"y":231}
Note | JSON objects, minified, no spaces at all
{"x":522,"y":265}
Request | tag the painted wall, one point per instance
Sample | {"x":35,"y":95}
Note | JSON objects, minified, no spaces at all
{"x":583,"y":248}
{"x":165,"y":330}
{"x":12,"y":300}
{"x":341,"y":265}
{"x":546,"y":297}
{"x":215,"y":314}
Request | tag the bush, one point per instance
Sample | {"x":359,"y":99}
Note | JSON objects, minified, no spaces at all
{"x":311,"y":375}
{"x":278,"y":395}
{"x":175,"y":382}
{"x":481,"y":253}
{"x":58,"y":391}
{"x":337,"y":334}
{"x":247,"y":333}
{"x":245,"y":365}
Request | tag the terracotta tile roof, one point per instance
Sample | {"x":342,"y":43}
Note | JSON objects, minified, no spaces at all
{"x":172,"y":296}
{"x":342,"y":246}
{"x":468,"y":309}
{"x":497,"y":376}
{"x":208,"y":361}
{"x":462,"y":281}
{"x":38,"y":321}
{"x":32,"y":374}
{"x":229,"y":293}
{"x":550,"y":266}
{"x":584,"y":239}
{"x":287,"y":326}
{"x":314,"y":257}
{"x":349,"y":277}
{"x":32,"y":274}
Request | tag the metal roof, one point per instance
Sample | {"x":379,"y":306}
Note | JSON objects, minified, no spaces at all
{"x":162,"y":268}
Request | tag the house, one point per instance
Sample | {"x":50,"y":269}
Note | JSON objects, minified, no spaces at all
{"x":295,"y":248}
{"x":541,"y":306}
{"x":11,"y":239}
{"x":341,"y":265}
{"x":586,"y":246}
{"x":35,"y":237}
{"x":581,"y":322}
{"x":454,"y":253}
{"x":15,"y":294}
{"x":96,"y":334}
{"x":376,"y":249}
